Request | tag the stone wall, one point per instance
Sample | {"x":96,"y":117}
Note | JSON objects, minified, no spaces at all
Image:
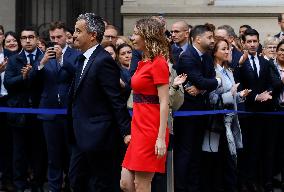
{"x":8,"y":14}
{"x":262,"y":18}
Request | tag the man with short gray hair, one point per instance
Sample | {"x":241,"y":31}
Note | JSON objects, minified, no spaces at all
{"x":99,"y":113}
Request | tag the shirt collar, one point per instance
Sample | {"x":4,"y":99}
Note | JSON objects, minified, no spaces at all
{"x":64,"y":49}
{"x":89,"y":52}
{"x":33,"y":53}
{"x":184,"y":47}
{"x":219,"y":67}
{"x":199,"y":52}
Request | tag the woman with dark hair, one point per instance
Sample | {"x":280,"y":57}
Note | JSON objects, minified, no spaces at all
{"x":123,"y":58}
{"x":276,"y":133}
{"x":11,"y":41}
{"x":225,"y":142}
{"x":42,"y":45}
{"x":146,"y":153}
{"x":109,"y":47}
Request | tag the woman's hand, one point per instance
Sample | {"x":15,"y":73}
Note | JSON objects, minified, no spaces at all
{"x":180,"y":79}
{"x":245,"y":92}
{"x":234,"y":89}
{"x":160,"y":147}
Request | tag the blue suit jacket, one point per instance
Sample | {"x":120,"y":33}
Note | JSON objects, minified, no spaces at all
{"x":56,"y":81}
{"x":98,"y":110}
{"x":201,"y":74}
{"x":21,"y":92}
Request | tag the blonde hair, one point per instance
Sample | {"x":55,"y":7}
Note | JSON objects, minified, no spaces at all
{"x":152,"y":31}
{"x":270,"y":40}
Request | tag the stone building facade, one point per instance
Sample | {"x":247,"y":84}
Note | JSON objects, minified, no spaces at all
{"x":260,"y":14}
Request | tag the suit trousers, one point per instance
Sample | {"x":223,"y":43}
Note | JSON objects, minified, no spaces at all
{"x":257,"y":135}
{"x":58,"y":150}
{"x":94,"y":171}
{"x":29,"y":151}
{"x":188,"y":137}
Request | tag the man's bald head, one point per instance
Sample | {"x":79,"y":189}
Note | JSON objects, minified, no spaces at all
{"x":180,"y":32}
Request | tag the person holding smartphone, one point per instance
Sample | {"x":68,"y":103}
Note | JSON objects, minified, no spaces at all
{"x":56,"y":68}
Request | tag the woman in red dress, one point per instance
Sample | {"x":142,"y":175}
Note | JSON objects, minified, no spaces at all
{"x":146,"y":153}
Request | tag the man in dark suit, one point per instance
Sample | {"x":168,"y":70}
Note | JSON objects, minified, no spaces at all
{"x":57,"y":70}
{"x":254,"y":74}
{"x":228,"y":33}
{"x":100,"y":116}
{"x":5,"y":132}
{"x":280,"y":35}
{"x":180,"y":37}
{"x":27,"y":131}
{"x":189,"y":131}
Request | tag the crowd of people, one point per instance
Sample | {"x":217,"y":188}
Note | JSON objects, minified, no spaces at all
{"x":98,"y":76}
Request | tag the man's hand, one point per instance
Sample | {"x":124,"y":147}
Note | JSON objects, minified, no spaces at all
{"x":243,"y":57}
{"x":49,"y":54}
{"x":127,"y":139}
{"x":192,"y":90}
{"x":264,"y":96}
{"x":58,"y":51}
{"x":25,"y":71}
{"x":3,"y":65}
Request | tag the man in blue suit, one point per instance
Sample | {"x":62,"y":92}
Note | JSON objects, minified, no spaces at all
{"x":189,"y":131}
{"x":28,"y":140}
{"x":100,"y":116}
{"x":57,"y":75}
{"x":180,"y":37}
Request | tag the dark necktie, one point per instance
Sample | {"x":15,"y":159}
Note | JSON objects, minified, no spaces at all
{"x":177,"y":53}
{"x":80,"y":63}
{"x":31,"y":57}
{"x":254,"y":66}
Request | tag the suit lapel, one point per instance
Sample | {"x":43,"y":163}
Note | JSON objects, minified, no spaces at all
{"x":87,"y":67}
{"x":21,"y":57}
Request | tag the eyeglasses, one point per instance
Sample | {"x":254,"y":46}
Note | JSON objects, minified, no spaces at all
{"x":30,"y":37}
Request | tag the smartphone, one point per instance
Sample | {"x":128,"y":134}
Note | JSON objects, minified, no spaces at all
{"x":51,"y":46}
{"x":188,"y":84}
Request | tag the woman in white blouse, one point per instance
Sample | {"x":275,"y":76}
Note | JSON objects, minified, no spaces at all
{"x":225,"y":142}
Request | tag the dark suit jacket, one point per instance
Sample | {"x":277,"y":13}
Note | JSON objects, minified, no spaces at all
{"x":22,"y":92}
{"x":257,"y":85}
{"x":277,"y":35}
{"x":236,"y":55}
{"x":98,"y":110}
{"x":136,"y":57}
{"x":277,"y":84}
{"x":7,"y":54}
{"x":56,"y":81}
{"x":201,"y":74}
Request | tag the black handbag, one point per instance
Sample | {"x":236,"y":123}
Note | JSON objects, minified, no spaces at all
{"x":216,"y":121}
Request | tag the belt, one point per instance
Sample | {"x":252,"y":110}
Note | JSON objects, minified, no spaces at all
{"x":147,"y":99}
